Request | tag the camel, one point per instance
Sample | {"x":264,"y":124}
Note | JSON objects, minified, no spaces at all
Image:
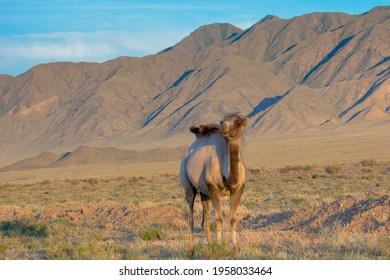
{"x":213,"y":166}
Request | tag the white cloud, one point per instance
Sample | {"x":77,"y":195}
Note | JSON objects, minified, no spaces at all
{"x":79,"y":46}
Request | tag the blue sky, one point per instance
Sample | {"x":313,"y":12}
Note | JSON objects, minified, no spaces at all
{"x":34,"y":32}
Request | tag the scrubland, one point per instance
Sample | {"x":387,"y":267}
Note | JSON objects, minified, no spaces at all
{"x":336,"y":211}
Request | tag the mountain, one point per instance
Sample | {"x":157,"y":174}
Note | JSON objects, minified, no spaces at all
{"x":319,"y":70}
{"x":218,"y":35}
{"x":85,"y":155}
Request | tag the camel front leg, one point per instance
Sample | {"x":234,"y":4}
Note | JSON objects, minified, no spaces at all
{"x":216,"y":199}
{"x":235,"y":196}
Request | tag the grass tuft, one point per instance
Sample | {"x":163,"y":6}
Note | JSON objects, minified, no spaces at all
{"x":153,"y":233}
{"x":289,"y":168}
{"x":214,"y":250}
{"x":333,"y":168}
{"x":24,"y":227}
{"x":368,"y":163}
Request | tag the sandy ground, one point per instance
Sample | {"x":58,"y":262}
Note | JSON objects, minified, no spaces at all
{"x":320,"y":147}
{"x":111,"y":170}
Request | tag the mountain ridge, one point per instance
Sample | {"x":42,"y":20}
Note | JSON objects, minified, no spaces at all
{"x":286,"y":75}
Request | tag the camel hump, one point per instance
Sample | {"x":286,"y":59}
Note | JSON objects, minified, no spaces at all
{"x":210,"y":128}
{"x":205,"y":129}
{"x":195,"y":129}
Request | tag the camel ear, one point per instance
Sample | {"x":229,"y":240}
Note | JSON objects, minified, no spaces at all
{"x":245,"y":122}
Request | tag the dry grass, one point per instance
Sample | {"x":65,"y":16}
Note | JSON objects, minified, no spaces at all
{"x":143,"y":217}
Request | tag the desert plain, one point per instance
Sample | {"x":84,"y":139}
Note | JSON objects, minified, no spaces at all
{"x":314,"y":196}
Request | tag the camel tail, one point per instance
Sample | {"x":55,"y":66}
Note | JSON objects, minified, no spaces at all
{"x":185,"y":183}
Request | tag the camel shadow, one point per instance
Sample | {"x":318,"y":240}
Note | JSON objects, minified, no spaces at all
{"x":263,"y":221}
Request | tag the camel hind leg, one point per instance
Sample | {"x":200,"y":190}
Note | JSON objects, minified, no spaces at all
{"x":190,"y":195}
{"x":206,"y":215}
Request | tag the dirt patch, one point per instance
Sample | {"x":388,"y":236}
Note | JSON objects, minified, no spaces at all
{"x":108,"y":216}
{"x":9,"y":213}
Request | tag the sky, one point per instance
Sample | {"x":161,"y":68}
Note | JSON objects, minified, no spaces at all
{"x":40,"y":31}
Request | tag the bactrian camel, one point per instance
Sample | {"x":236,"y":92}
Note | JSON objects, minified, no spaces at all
{"x":213,"y":166}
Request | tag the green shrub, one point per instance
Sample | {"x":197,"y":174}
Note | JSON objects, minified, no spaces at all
{"x":301,"y":202}
{"x":333,"y":169}
{"x":250,"y":204}
{"x":368,"y":162}
{"x":316,"y":176}
{"x":3,"y":248}
{"x":24,"y":227}
{"x":214,"y":250}
{"x":92,"y":181}
{"x":45,"y":182}
{"x":213,"y":226}
{"x":153,"y":233}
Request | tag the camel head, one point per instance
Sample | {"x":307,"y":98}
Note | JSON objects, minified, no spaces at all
{"x":232,"y":126}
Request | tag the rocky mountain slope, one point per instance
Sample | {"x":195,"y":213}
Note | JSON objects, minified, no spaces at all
{"x":317,"y":70}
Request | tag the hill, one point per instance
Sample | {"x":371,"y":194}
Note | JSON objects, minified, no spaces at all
{"x":85,"y":155}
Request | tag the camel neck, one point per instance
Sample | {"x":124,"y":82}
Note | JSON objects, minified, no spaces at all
{"x":234,"y":158}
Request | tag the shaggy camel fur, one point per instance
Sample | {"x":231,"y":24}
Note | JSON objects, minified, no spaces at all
{"x":212,"y":166}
